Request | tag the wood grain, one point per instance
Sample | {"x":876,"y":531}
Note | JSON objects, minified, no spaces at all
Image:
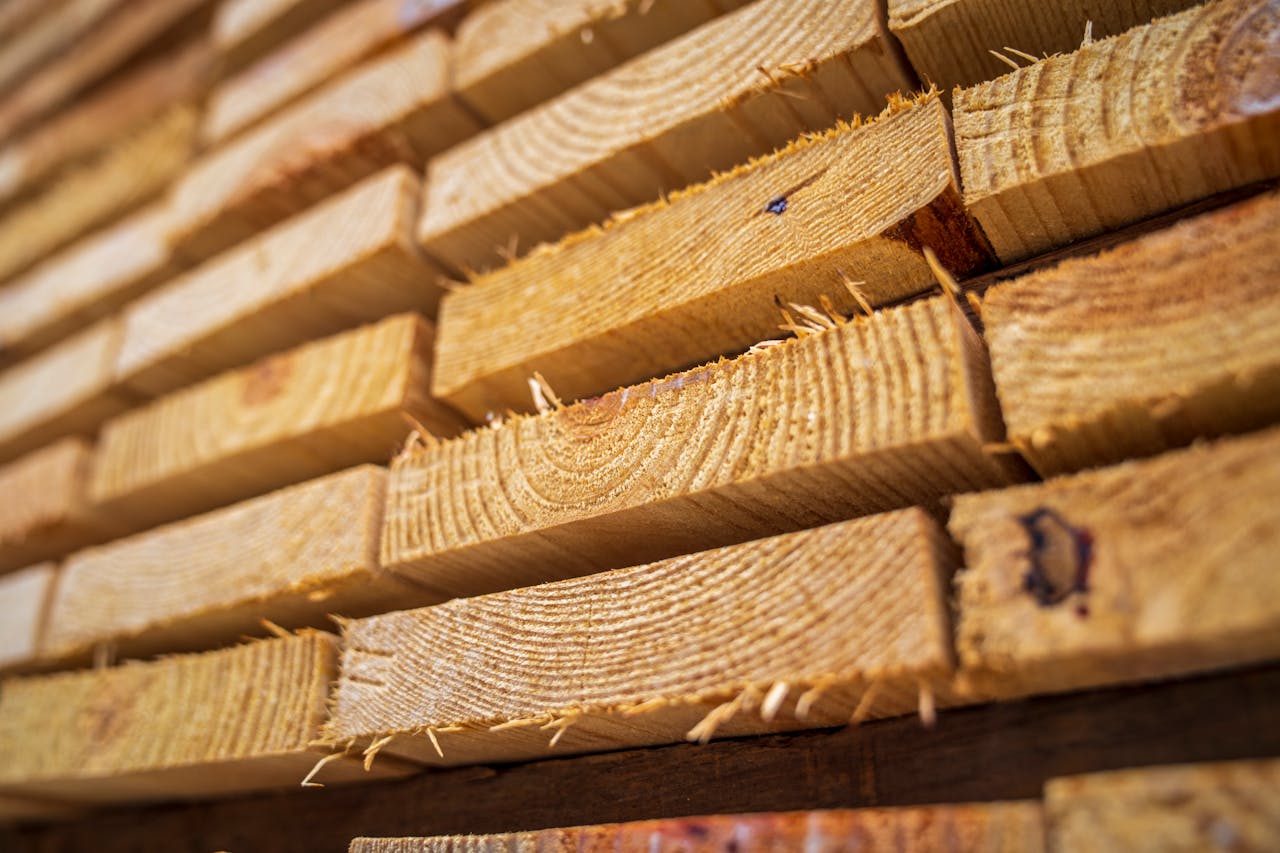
{"x":44,"y":505}
{"x":950,"y":41}
{"x":315,"y":56}
{"x":1232,"y":805}
{"x":876,"y":414}
{"x":24,"y":600}
{"x":1149,"y":569}
{"x":788,"y":632}
{"x":310,"y":411}
{"x":1123,"y":129}
{"x":684,"y":282}
{"x":66,"y":390}
{"x":125,"y":176}
{"x":951,"y":828}
{"x":101,"y":118}
{"x":741,"y":85}
{"x":1144,"y":347}
{"x":246,"y":30}
{"x":515,"y":54}
{"x":49,"y":35}
{"x":85,"y":281}
{"x":348,"y":260}
{"x":293,"y":557}
{"x":392,"y":108}
{"x":244,"y":723}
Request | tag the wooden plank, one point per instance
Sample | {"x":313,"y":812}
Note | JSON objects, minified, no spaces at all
{"x":741,"y":85}
{"x":950,"y":41}
{"x":393,"y":108}
{"x":65,"y":390}
{"x":245,"y":722}
{"x":781,"y":633}
{"x":876,"y":414}
{"x":318,"y":54}
{"x":21,"y":809}
{"x":310,"y":411}
{"x":348,"y":260}
{"x":1108,"y":357}
{"x":846,"y":218}
{"x":515,"y":54}
{"x":1201,"y":114}
{"x":1017,"y":826}
{"x":989,"y":752}
{"x":24,"y":599}
{"x":293,"y":557}
{"x":15,"y":15}
{"x":245,"y":30}
{"x":87,"y":280}
{"x":122,"y":178}
{"x":135,"y":25}
{"x":1149,"y":569}
{"x":44,"y":506}
{"x":102,"y":118}
{"x":51,"y":34}
{"x":1231,"y":805}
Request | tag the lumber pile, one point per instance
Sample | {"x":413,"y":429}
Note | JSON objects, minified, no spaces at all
{"x":783,"y":411}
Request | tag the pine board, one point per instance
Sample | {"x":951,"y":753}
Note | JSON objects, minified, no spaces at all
{"x":24,"y":600}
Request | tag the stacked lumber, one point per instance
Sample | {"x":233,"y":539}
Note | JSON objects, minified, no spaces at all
{"x":703,"y":395}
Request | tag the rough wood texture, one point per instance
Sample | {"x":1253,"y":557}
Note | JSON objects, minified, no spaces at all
{"x":1011,"y":827}
{"x":330,"y":404}
{"x":65,"y":390}
{"x":292,"y":557}
{"x":123,"y":177}
{"x":950,"y":41}
{"x":1223,"y":806}
{"x":877,"y":414}
{"x":1123,"y":129}
{"x":244,"y":723}
{"x":44,"y":507}
{"x":24,"y":598}
{"x":85,"y":281}
{"x":246,"y":30}
{"x":344,"y":38}
{"x":1145,"y":570}
{"x":136,"y":24}
{"x":788,"y":632}
{"x":351,"y":259}
{"x":700,"y":274}
{"x":1145,"y":347}
{"x":514,"y":54}
{"x":741,"y":85}
{"x":393,"y":108}
{"x":102,"y":118}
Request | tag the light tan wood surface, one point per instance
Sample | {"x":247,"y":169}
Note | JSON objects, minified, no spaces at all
{"x":292,"y":557}
{"x":65,"y":390}
{"x":348,"y":260}
{"x":1149,"y":569}
{"x":313,"y":57}
{"x":873,"y":415}
{"x":103,"y":117}
{"x":114,"y":41}
{"x":1168,"y":338}
{"x":616,"y":660}
{"x":515,"y":54}
{"x":44,"y":505}
{"x":24,"y":599}
{"x":950,"y":41}
{"x":1229,"y":805}
{"x":393,"y":108}
{"x":1008,"y":827}
{"x":125,"y":176}
{"x":246,"y":30}
{"x":1122,"y":129}
{"x":244,"y":722}
{"x":85,"y":281}
{"x":51,"y":34}
{"x":684,"y":282}
{"x":300,"y":414}
{"x":741,"y":85}
{"x":15,"y":15}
